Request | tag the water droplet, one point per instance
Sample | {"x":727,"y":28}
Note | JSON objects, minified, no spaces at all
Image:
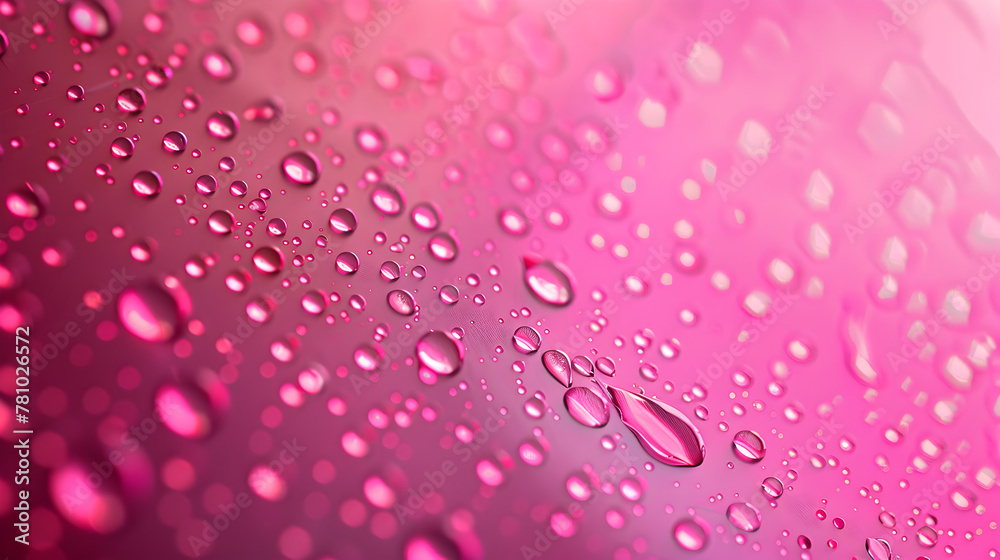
{"x":221,"y":222}
{"x":28,"y":201}
{"x":663,"y":431}
{"x":586,"y":406}
{"x":583,"y":366}
{"x":690,"y":534}
{"x":150,"y":312}
{"x":93,"y":18}
{"x":526,"y":340}
{"x":347,"y":263}
{"x":425,"y":216}
{"x":878,"y":549}
{"x":269,"y":260}
{"x":557,"y":364}
{"x":147,"y":183}
{"x":772,"y":487}
{"x":449,"y":294}
{"x":927,"y":537}
{"x":606,"y":366}
{"x":174,"y":142}
{"x":441,"y":353}
{"x":443,"y":246}
{"x":369,"y":357}
{"x":390,"y":271}
{"x":748,"y":446}
{"x":387,"y":199}
{"x":219,"y":65}
{"x":648,"y":372}
{"x":131,"y":100}
{"x":513,"y":221}
{"x":548,"y":281}
{"x":343,"y":221}
{"x":301,"y":168}
{"x":744,"y":516}
{"x":222,"y":125}
{"x":401,"y":302}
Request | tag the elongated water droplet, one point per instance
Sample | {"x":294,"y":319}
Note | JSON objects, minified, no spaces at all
{"x":387,"y":199}
{"x":744,"y":516}
{"x":557,"y":364}
{"x":857,"y":354}
{"x":425,"y":216}
{"x":587,"y":407}
{"x":550,"y":282}
{"x":690,"y":534}
{"x":663,"y":431}
{"x":878,"y":549}
{"x":443,"y":246}
{"x":772,"y":487}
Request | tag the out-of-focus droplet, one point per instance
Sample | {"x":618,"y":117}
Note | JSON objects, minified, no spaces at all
{"x":150,"y":312}
{"x":94,"y":18}
{"x":548,"y":281}
{"x":690,"y":534}
{"x":443,"y":247}
{"x":425,"y":216}
{"x":440,"y":352}
{"x":744,"y":516}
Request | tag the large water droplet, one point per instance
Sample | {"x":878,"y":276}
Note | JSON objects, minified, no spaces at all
{"x":748,"y":446}
{"x":744,"y":516}
{"x":131,"y":100}
{"x":772,"y":487}
{"x":223,"y":125}
{"x":443,"y":246}
{"x":94,"y":18}
{"x":301,"y":168}
{"x":440,"y":352}
{"x":268,"y":260}
{"x":587,"y":407}
{"x":150,"y":312}
{"x":28,"y":201}
{"x":549,"y":281}
{"x":343,"y":221}
{"x":221,"y":222}
{"x":878,"y":549}
{"x":147,"y":183}
{"x":663,"y":431}
{"x":401,"y":302}
{"x":690,"y":534}
{"x":557,"y":364}
{"x":425,"y":216}
{"x":387,"y":199}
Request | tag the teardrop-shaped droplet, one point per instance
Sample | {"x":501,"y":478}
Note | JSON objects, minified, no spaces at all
{"x":748,"y":446}
{"x":587,"y":407}
{"x":440,"y":352}
{"x":744,"y":516}
{"x":343,"y":221}
{"x":857,"y":354}
{"x":663,"y":431}
{"x":150,"y":312}
{"x":301,"y":168}
{"x":557,"y":364}
{"x":583,"y":366}
{"x":549,"y":281}
{"x":878,"y":549}
{"x":526,"y":340}
{"x":401,"y":302}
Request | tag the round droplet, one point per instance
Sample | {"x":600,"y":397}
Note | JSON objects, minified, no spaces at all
{"x":440,"y":352}
{"x":347,"y":263}
{"x":131,"y":100}
{"x":174,"y":142}
{"x":389,"y":271}
{"x":387,"y":199}
{"x":122,"y":147}
{"x":526,"y":340}
{"x":744,"y":516}
{"x":690,"y":534}
{"x":425,"y":216}
{"x":147,"y":183}
{"x":28,"y":201}
{"x":219,"y":65}
{"x":443,"y":246}
{"x":93,"y":18}
{"x":150,"y":312}
{"x":401,"y":302}
{"x":513,"y":221}
{"x":301,"y":168}
{"x":343,"y":221}
{"x":221,"y":222}
{"x":587,"y":407}
{"x":268,"y":260}
{"x":222,"y":125}
{"x":772,"y":487}
{"x":927,"y":536}
{"x":548,"y":281}
{"x":748,"y":446}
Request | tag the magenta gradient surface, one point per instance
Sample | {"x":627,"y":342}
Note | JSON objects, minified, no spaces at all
{"x":463,"y":280}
